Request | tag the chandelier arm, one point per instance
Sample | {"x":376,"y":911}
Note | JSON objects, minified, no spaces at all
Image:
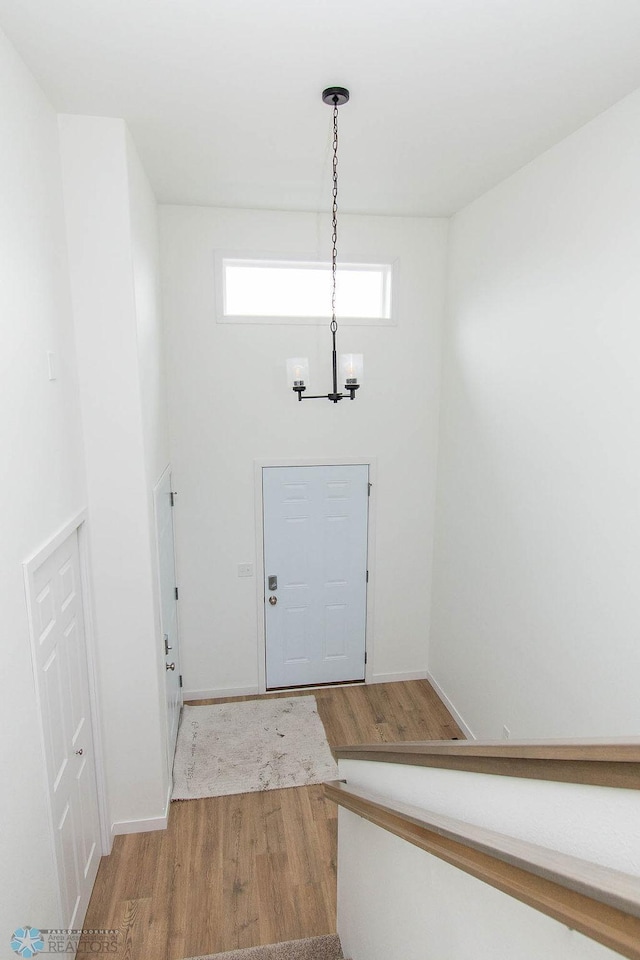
{"x":334,"y":397}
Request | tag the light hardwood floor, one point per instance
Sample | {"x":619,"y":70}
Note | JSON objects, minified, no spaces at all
{"x":255,"y":868}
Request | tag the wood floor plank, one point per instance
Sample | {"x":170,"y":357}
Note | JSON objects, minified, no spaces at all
{"x":256,"y":868}
{"x":240,"y":893}
{"x":134,"y":941}
{"x":277,"y":905}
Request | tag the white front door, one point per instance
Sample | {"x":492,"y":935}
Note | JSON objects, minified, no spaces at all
{"x":163,"y":503}
{"x":315,"y":564}
{"x":62,"y":677}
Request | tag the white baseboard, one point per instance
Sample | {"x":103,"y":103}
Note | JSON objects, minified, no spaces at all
{"x":255,"y":690}
{"x":139,"y":826}
{"x":216,"y":694}
{"x":464,"y":726}
{"x":397,"y":677}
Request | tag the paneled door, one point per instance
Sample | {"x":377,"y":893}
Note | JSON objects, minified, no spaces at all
{"x":163,"y":502}
{"x":60,"y":658}
{"x":315,"y":564}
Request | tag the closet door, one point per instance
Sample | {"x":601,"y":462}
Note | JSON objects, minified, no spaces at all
{"x":62,"y":680}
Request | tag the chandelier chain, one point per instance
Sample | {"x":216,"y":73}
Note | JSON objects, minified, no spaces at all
{"x":334,"y":220}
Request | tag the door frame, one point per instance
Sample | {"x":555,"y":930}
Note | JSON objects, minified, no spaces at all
{"x":167,"y":470}
{"x":77,"y":525}
{"x":258,"y":466}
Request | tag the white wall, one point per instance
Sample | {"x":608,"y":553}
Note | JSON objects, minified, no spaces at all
{"x":396,"y":902}
{"x":145,"y":258}
{"x":230,"y":404}
{"x":594,"y":823}
{"x":41,"y":469}
{"x":110,"y":223}
{"x":536,"y":608}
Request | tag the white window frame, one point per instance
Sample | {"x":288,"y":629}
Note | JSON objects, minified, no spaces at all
{"x":281,"y":260}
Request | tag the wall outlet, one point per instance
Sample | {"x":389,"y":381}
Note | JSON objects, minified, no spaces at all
{"x":506,"y":733}
{"x":245,"y":569}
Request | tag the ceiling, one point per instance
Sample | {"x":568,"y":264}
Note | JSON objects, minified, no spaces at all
{"x":448,"y":97}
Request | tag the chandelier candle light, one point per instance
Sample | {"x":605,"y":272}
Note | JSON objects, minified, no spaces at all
{"x":350,"y":363}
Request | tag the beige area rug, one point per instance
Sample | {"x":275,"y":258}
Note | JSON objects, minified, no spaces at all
{"x":254,"y":745}
{"x":315,"y":948}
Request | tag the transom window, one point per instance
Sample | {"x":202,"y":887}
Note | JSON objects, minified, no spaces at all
{"x":290,"y":291}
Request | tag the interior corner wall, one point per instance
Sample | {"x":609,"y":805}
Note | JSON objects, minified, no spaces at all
{"x":230,"y":405}
{"x":41,"y":470}
{"x":145,"y":262}
{"x":536,"y":606}
{"x":100,"y":207}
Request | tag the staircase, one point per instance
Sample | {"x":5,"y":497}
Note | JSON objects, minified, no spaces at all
{"x":563,"y":845}
{"x":522,"y":833}
{"x":313,"y":948}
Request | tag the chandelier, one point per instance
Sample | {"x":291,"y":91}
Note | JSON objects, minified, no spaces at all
{"x":350,"y":364}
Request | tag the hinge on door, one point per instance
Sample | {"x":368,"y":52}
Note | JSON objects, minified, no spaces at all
{"x":177,"y":597}
{"x":181,"y":677}
{"x":365,"y":656}
{"x":369,"y":485}
{"x":173,"y":496}
{"x":367,"y":576}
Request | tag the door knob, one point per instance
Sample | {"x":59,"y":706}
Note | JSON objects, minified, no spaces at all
{"x":273,"y":601}
{"x":79,"y":752}
{"x":170,"y":666}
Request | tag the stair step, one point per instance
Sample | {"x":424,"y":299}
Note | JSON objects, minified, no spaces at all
{"x":313,"y":948}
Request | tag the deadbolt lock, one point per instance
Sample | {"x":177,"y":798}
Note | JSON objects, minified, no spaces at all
{"x":273,"y":583}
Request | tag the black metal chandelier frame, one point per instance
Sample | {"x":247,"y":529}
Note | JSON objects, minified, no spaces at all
{"x":335,"y":97}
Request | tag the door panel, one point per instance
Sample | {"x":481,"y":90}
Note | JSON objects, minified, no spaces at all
{"x":315,"y":542}
{"x":168,"y":608}
{"x":63,"y":684}
{"x":67,"y":834}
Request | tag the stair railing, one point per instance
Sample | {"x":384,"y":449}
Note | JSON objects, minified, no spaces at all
{"x":600,"y":902}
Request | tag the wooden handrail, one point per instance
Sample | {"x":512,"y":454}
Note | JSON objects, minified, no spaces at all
{"x":601,"y":903}
{"x":611,"y":763}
